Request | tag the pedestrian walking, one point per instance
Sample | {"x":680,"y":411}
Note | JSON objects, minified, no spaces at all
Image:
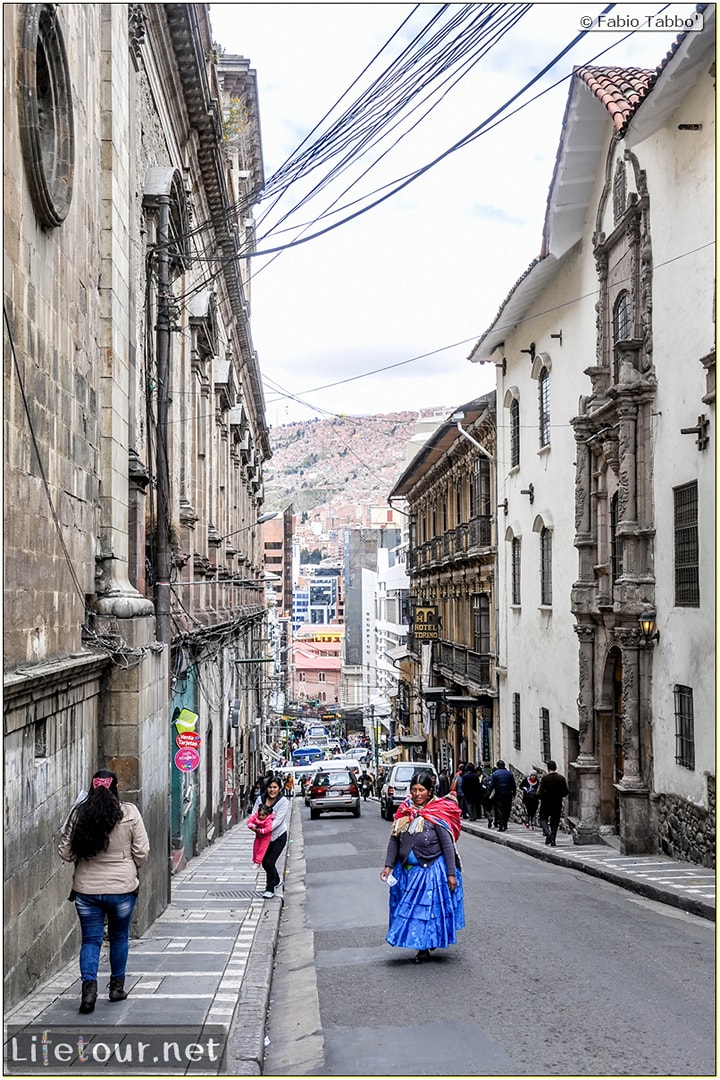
{"x":530,"y":798}
{"x":422,"y":870}
{"x":486,"y":797}
{"x":443,"y":787}
{"x":289,"y":786}
{"x":471,"y":791}
{"x":275,"y":801}
{"x":261,"y":823}
{"x":552,"y":789}
{"x":107,"y":841}
{"x":457,"y":787}
{"x":502,"y":783}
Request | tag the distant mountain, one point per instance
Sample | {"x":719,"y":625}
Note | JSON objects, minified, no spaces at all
{"x":343,"y":463}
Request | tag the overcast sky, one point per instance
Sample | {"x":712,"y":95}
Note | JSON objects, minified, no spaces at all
{"x":427,"y":270}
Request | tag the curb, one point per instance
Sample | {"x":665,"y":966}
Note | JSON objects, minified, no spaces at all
{"x":689,"y":904}
{"x":245,"y":1048}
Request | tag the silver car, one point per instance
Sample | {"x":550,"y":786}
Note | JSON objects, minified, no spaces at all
{"x":396,"y":786}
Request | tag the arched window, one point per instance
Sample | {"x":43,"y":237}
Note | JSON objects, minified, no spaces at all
{"x":514,"y":433}
{"x":622,"y":318}
{"x":544,"y":407}
{"x":622,"y":329}
{"x":546,"y":567}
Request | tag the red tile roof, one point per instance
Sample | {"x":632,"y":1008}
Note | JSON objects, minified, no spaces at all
{"x":620,"y":89}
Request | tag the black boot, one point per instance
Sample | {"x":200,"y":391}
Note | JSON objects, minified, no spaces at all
{"x":117,"y":991}
{"x":89,"y":996}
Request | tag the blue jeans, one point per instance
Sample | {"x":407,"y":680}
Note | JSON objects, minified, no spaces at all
{"x":92,"y":909}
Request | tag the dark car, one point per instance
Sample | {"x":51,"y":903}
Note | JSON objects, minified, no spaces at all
{"x":334,"y":790}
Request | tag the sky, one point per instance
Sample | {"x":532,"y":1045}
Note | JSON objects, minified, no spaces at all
{"x":383,"y":310}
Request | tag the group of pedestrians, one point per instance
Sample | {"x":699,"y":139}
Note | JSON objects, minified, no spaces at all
{"x":484,"y":794}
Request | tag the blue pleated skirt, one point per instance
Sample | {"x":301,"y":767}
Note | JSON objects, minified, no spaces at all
{"x":424,"y":913}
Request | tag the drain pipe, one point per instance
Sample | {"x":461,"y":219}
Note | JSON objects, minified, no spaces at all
{"x":457,"y":418}
{"x":162,"y":534}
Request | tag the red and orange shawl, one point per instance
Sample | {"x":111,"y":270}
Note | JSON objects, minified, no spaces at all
{"x":440,"y":811}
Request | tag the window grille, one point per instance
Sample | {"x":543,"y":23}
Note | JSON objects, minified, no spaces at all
{"x":514,"y":433}
{"x":516,"y":570}
{"x":481,"y":623}
{"x":622,"y":318}
{"x":687,"y":553}
{"x":684,"y":727}
{"x":545,"y":735}
{"x":544,"y":407}
{"x":480,"y":488}
{"x":546,"y":567}
{"x":516,"y":720}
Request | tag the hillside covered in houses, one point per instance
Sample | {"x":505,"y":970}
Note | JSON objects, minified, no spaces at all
{"x":343,"y":464}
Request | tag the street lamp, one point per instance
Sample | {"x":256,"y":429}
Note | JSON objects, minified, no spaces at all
{"x":648,"y":627}
{"x":260,"y":521}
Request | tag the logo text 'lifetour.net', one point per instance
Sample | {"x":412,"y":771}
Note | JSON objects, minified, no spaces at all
{"x":73,"y":1049}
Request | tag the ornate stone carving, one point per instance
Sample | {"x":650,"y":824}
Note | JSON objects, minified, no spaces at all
{"x":619,"y":191}
{"x":136,"y":28}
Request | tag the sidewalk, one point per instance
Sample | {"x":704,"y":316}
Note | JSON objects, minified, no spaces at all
{"x":205,"y":965}
{"x":682,"y":885}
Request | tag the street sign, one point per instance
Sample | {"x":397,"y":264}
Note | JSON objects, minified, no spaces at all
{"x":425,"y":623}
{"x":187,"y":760}
{"x":188,"y":740}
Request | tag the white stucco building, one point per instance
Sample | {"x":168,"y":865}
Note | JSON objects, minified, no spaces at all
{"x":606,"y":450}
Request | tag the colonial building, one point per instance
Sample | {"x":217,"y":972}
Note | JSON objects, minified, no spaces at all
{"x":135,"y":437}
{"x":448,"y":490}
{"x":605,"y":357}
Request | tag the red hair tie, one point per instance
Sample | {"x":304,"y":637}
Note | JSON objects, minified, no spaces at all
{"x":102,"y":781}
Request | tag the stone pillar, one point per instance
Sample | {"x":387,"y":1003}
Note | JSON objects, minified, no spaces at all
{"x":586,"y":829}
{"x":627,"y":528}
{"x":632,"y":791}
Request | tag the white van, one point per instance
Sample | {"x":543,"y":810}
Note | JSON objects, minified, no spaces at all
{"x":396,"y":786}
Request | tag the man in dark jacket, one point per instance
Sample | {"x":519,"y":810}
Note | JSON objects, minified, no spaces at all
{"x":471,"y":791}
{"x":552,"y":789}
{"x":502,"y":782}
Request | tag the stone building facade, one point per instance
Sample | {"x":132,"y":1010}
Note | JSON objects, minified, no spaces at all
{"x":609,"y":339}
{"x":135,"y":437}
{"x":449,"y":493}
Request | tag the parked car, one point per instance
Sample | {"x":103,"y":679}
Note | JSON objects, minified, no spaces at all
{"x":396,"y":785}
{"x":333,"y":790}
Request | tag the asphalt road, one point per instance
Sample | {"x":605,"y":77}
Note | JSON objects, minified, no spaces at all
{"x":556,"y":973}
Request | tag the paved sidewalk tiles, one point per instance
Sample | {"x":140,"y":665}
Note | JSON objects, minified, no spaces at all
{"x":658,"y":877}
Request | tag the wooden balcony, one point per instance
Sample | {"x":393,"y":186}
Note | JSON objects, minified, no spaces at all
{"x":464,"y":666}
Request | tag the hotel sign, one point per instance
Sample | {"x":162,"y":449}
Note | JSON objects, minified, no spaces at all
{"x":426,"y":625}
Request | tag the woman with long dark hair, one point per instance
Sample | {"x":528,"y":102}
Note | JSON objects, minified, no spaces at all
{"x":422,"y":869}
{"x":278,"y":806}
{"x":107,"y":841}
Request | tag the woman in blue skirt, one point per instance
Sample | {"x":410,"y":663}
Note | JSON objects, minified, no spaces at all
{"x":426,"y":893}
